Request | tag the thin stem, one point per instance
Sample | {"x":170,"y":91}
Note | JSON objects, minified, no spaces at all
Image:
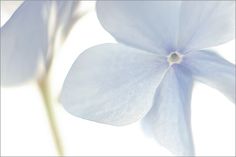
{"x":44,"y":88}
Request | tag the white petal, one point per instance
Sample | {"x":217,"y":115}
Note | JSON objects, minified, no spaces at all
{"x":213,"y":70}
{"x":149,"y":25}
{"x":169,"y":119}
{"x":205,"y":24}
{"x":28,"y":38}
{"x":112,"y":84}
{"x":23,"y":41}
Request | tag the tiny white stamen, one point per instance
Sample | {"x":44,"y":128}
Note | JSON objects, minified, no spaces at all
{"x":174,"y":58}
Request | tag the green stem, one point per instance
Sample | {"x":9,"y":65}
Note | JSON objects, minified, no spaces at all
{"x":44,"y":88}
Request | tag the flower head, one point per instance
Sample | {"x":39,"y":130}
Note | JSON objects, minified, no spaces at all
{"x":149,"y":74}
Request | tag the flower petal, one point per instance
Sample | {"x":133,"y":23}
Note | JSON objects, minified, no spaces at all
{"x":213,"y":70}
{"x":205,"y":24}
{"x":169,"y":119}
{"x":153,"y":24}
{"x":112,"y":84}
{"x":23,"y":41}
{"x":28,"y":38}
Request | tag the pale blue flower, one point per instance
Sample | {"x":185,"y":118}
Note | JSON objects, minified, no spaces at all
{"x":30,"y":37}
{"x":149,"y":75}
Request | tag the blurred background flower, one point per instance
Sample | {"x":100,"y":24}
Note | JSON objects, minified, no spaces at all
{"x":32,"y":35}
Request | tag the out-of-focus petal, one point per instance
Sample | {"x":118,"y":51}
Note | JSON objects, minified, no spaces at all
{"x":28,"y":38}
{"x":24,"y":40}
{"x":169,"y":119}
{"x":213,"y":70}
{"x":112,"y":84}
{"x":149,"y":25}
{"x":68,"y":13}
{"x":205,"y":24}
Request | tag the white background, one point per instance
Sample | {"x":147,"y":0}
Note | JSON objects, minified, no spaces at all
{"x":25,"y":130}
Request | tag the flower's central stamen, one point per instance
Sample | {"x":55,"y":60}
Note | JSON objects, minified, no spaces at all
{"x":174,"y":58}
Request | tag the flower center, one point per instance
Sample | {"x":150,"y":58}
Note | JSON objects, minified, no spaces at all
{"x":174,"y":58}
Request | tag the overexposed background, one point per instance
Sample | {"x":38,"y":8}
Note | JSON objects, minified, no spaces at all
{"x":25,"y":130}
